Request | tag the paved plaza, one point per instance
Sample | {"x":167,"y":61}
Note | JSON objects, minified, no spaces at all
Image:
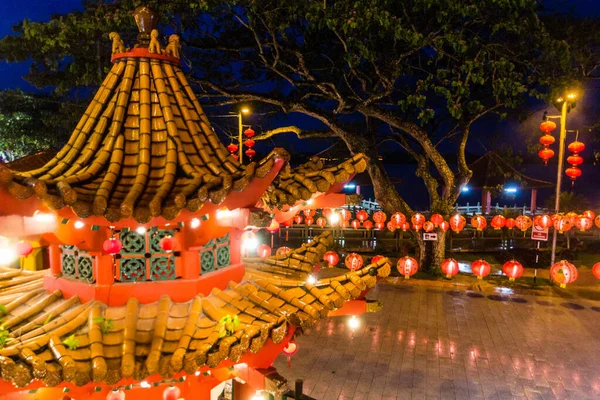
{"x":430,"y":342}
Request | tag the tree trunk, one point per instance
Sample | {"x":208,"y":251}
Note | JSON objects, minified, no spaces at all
{"x":438,"y":253}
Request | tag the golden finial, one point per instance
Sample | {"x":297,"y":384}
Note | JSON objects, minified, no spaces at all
{"x":147,"y":21}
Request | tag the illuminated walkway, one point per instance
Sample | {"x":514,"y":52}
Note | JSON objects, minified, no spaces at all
{"x":438,"y":343}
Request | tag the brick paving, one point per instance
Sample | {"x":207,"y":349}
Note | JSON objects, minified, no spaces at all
{"x":439,"y":343}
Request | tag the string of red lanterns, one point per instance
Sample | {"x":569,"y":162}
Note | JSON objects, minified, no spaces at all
{"x":250,"y":152}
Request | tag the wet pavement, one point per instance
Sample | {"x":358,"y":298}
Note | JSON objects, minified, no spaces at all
{"x":443,"y":343}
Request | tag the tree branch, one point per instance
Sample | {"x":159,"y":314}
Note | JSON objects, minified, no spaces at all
{"x":301,"y":133}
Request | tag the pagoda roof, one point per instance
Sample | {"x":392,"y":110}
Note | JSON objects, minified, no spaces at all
{"x":491,"y":170}
{"x":139,"y":340}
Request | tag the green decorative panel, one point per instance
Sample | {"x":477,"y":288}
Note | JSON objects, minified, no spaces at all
{"x":84,"y":268}
{"x":133,"y":243}
{"x":207,"y":261}
{"x":223,"y":256}
{"x":68,"y":265}
{"x":162,"y":268}
{"x":155,"y":239}
{"x":133,"y":269}
{"x":215,"y":254}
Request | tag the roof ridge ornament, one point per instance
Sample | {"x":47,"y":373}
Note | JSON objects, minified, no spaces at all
{"x":146,"y":19}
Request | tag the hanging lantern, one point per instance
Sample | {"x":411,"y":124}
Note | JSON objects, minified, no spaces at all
{"x":479,"y":222}
{"x":362,"y":215}
{"x":273,"y":226}
{"x":405,"y":226}
{"x":112,"y":246}
{"x":353,"y":261}
{"x":308,"y":212}
{"x":326,"y":212}
{"x":309,"y":221}
{"x":562,"y":225}
{"x":544,"y":221}
{"x":298,"y":219}
{"x":344,"y":224}
{"x":232,"y":148}
{"x":548,"y":126}
{"x":332,"y":258}
{"x":576,"y":147}
{"x":356,"y":224}
{"x":116,"y":394}
{"x":249,"y":143}
{"x":481,"y":268}
{"x":391,"y":225}
{"x":444,"y":226}
{"x":171,"y":393}
{"x":583,"y":223}
{"x":250,"y":153}
{"x":523,"y":222}
{"x":547,"y":140}
{"x":596,"y":270}
{"x":379,"y":216}
{"x":498,"y":222}
{"x":457,"y":223}
{"x":510,"y":223}
{"x":418,"y":219}
{"x":417,"y":228}
{"x":407,"y":266}
{"x":282,"y":251}
{"x":513,"y":269}
{"x":368,"y":224}
{"x":436,"y":219}
{"x":167,"y":243}
{"x":290,"y":349}
{"x":398,"y":218}
{"x":572,"y":217}
{"x":380,"y":225}
{"x":546,"y":154}
{"x":450,"y":267}
{"x":597,"y":221}
{"x":249,"y":132}
{"x":235,"y":156}
{"x":263,"y":251}
{"x":376,"y":258}
{"x":345,"y":214}
{"x":573,"y":173}
{"x":428,"y":226}
{"x":575,"y":160}
{"x":23,"y":248}
{"x":590,"y":214}
{"x":321,"y":222}
{"x":563,"y":273}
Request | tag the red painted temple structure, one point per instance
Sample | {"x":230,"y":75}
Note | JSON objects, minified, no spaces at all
{"x":144,"y":214}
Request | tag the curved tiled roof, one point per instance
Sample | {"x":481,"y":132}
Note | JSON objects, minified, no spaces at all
{"x":138,"y":340}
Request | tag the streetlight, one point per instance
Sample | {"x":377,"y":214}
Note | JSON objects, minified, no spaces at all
{"x":566,"y":107}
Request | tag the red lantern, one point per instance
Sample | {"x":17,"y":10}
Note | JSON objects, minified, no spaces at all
{"x":23,"y":248}
{"x":353,"y":261}
{"x":546,"y":154}
{"x":510,"y":223}
{"x":398,"y":218}
{"x":478,"y":222}
{"x":583,"y":223}
{"x":428,"y":226}
{"x":380,"y":225}
{"x":457,"y":223}
{"x":309,"y":221}
{"x":418,"y":219}
{"x":573,"y":173}
{"x":167,"y":243}
{"x":368,"y":224}
{"x":481,"y":268}
{"x":298,"y":219}
{"x":563,"y":272}
{"x":444,"y":226}
{"x":547,"y":140}
{"x":326,"y":212}
{"x":115,"y":394}
{"x":391,"y":225}
{"x":523,"y":222}
{"x":407,"y":266}
{"x":235,"y":156}
{"x":249,"y":143}
{"x":498,"y":222}
{"x":417,"y":228}
{"x":576,"y":147}
{"x":572,"y":217}
{"x":282,"y":251}
{"x":332,"y":258}
{"x":575,"y":159}
{"x":249,"y":132}
{"x":450,"y":267}
{"x":596,"y":270}
{"x":544,"y":221}
{"x":405,"y":226}
{"x":513,"y":269}
{"x":362,"y":215}
{"x":171,"y":393}
{"x":590,"y":214}
{"x":437,"y":219}
{"x":308,"y":212}
{"x":597,"y":221}
{"x":290,"y":349}
{"x":379,"y":216}
{"x":548,"y":126}
{"x":376,"y":258}
{"x":344,"y":224}
{"x":356,"y":224}
{"x":232,"y":148}
{"x":112,"y":246}
{"x":321,"y":222}
{"x":345,"y":214}
{"x":263,"y":251}
{"x":273,"y":226}
{"x":562,"y":225}
{"x":250,"y":153}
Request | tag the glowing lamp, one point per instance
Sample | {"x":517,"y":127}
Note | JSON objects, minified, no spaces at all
{"x":590,"y":214}
{"x":171,"y":393}
{"x":368,"y":224}
{"x":232,"y":148}
{"x":576,"y":147}
{"x":298,"y":219}
{"x":546,"y":154}
{"x":391,"y":225}
{"x":597,"y":221}
{"x":510,"y":223}
{"x":572,"y":217}
{"x":290,"y":349}
{"x":362,"y":215}
{"x":282,"y":251}
{"x":481,"y":268}
{"x":563,"y":273}
{"x":513,"y":269}
{"x":263,"y":251}
{"x":356,"y":224}
{"x":573,"y":172}
{"x":428,"y":226}
{"x":273,"y":226}
{"x":575,"y":159}
{"x":544,"y":221}
{"x":249,"y":132}
{"x":417,"y":227}
{"x":326,"y":212}
{"x":353,"y":261}
{"x":194,"y":223}
{"x":344,"y":224}
{"x":450,"y":267}
{"x":436,"y":219}
{"x":354,"y":323}
{"x":78,"y":224}
{"x":407,"y":266}
{"x":457,"y":223}
{"x":321,"y":222}
{"x":379,"y":216}
{"x":380,"y":225}
{"x":562,"y":224}
{"x":547,"y":140}
{"x":249,"y":241}
{"x":309,"y":221}
{"x":308,"y":212}
{"x":398,"y":218}
{"x":345,"y":214}
{"x":376,"y":258}
{"x":334,"y":218}
{"x":405,"y":226}
{"x":332,"y":258}
{"x":523,"y":222}
{"x":112,"y":246}
{"x":444,"y":226}
{"x":168,"y":243}
{"x":478,"y":222}
{"x":116,"y":394}
{"x":249,"y":143}
{"x":596,"y":270}
{"x":417,"y":219}
{"x":7,"y":256}
{"x":498,"y":222}
{"x":547,"y":126}
{"x":23,"y":248}
{"x":583,"y":223}
{"x":250,"y":153}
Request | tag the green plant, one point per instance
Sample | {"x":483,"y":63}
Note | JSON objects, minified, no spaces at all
{"x":71,"y":342}
{"x":227,"y":325}
{"x":3,"y":309}
{"x":4,"y":336}
{"x":105,"y":324}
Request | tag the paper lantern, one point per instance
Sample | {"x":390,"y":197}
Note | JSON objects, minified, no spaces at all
{"x":356,"y":224}
{"x":457,"y":223}
{"x":171,"y":393}
{"x":112,"y":246}
{"x":510,"y":223}
{"x":290,"y":349}
{"x":168,"y":243}
{"x":478,"y":222}
{"x":391,"y":225}
{"x":407,"y":266}
{"x":450,"y":267}
{"x":249,"y":143}
{"x":309,"y":221}
{"x":298,"y":219}
{"x":546,"y":154}
{"x":575,"y":159}
{"x":572,"y":217}
{"x":562,"y":225}
{"x":548,"y":126}
{"x":398,"y":218}
{"x":332,"y":258}
{"x":480,"y":268}
{"x":437,"y":219}
{"x":590,"y":214}
{"x":249,"y":132}
{"x":346,"y":215}
{"x":405,"y":226}
{"x":273,"y":226}
{"x":232,"y":148}
{"x":563,"y":273}
{"x":353,"y":261}
{"x":344,"y":224}
{"x":596,"y":270}
{"x":308,"y":212}
{"x":362,"y":215}
{"x":498,"y":222}
{"x":379,"y":216}
{"x":376,"y":258}
{"x":326,"y":212}
{"x":444,"y":225}
{"x":523,"y":222}
{"x":250,"y":153}
{"x":380,"y":225}
{"x":417,"y":228}
{"x":282,"y":251}
{"x":513,"y":269}
{"x":583,"y":223}
{"x":263,"y":251}
{"x":428,"y":226}
{"x":597,"y":221}
{"x":573,"y":173}
{"x":547,"y":140}
{"x":116,"y":394}
{"x":544,"y":221}
{"x":321,"y":222}
{"x":418,"y":219}
{"x":368,"y":224}
{"x":576,"y":147}
{"x":23,"y":248}
{"x":287,"y":223}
